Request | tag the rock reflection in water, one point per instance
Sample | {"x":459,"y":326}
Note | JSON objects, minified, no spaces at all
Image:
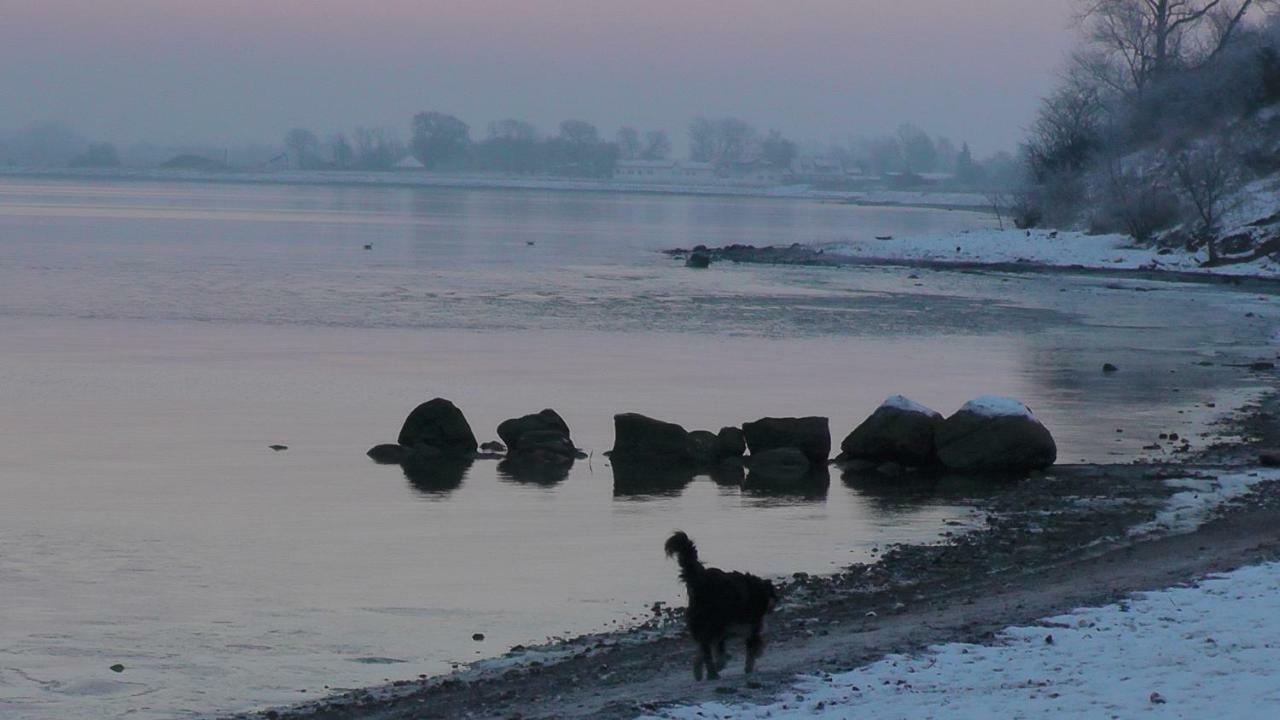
{"x":436,"y":477}
{"x":640,"y":480}
{"x":916,"y":488}
{"x":812,"y":486}
{"x":522,"y":469}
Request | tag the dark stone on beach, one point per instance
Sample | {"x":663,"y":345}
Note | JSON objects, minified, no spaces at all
{"x":895,"y":432}
{"x":389,"y":454}
{"x":641,"y":438}
{"x":1262,"y":366}
{"x":731,"y":443}
{"x":974,"y":442}
{"x":511,"y":431}
{"x":278,"y":448}
{"x":478,"y":637}
{"x":118,"y":668}
{"x":439,"y":424}
{"x":698,"y":260}
{"x":493,"y":446}
{"x":809,"y":435}
{"x":1109,"y":368}
{"x":705,"y":447}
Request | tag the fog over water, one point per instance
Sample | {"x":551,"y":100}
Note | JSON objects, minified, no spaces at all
{"x":238,"y":71}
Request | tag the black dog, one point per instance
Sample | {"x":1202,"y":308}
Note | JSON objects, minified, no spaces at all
{"x":718,"y":601}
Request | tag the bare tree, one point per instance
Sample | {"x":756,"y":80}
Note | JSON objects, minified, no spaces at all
{"x":657,"y":146}
{"x":1208,"y":176}
{"x":628,"y":140}
{"x":1147,"y":39}
{"x":999,"y":202}
{"x":724,"y":141}
{"x":303,"y":147}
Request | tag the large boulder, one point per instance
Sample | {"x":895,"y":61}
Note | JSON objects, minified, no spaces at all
{"x":511,"y":431}
{"x":899,"y":431}
{"x":731,"y":443}
{"x":544,"y":442}
{"x":809,"y":435}
{"x":705,"y":447}
{"x":640,"y":438}
{"x":995,"y":434}
{"x":439,"y":424}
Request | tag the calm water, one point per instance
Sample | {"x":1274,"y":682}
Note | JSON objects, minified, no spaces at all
{"x":155,"y":338}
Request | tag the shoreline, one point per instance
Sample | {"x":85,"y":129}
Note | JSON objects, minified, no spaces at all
{"x":808,"y":256}
{"x":905,"y":199}
{"x":1060,"y":540}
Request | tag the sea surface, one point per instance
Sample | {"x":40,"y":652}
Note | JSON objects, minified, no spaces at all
{"x":156,"y":338}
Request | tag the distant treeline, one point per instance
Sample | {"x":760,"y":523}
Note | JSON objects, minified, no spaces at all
{"x":442,"y":142}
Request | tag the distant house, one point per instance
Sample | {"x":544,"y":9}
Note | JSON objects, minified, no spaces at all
{"x":409,"y":162}
{"x":664,"y":171}
{"x":817,"y":169}
{"x":756,"y":172}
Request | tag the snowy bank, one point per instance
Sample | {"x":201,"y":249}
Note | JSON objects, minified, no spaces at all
{"x":1186,"y":511}
{"x":1041,"y":247}
{"x":1212,"y":650}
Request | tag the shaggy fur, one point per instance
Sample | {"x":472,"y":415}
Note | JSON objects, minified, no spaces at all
{"x":719,"y":601}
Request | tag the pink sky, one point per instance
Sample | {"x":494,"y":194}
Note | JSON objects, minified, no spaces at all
{"x":231,"y":70}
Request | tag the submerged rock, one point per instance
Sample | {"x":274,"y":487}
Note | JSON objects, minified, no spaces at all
{"x":389,"y":454}
{"x":995,"y":434}
{"x":439,"y":424}
{"x":899,"y":431}
{"x":493,"y":446}
{"x":809,"y":435}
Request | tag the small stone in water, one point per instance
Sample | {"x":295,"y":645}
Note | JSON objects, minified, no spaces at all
{"x":117,"y":668}
{"x":478,"y":637}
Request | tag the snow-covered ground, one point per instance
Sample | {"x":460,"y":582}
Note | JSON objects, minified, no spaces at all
{"x":1209,"y":651}
{"x":1256,"y":201}
{"x":1199,"y":499}
{"x":1042,"y":247}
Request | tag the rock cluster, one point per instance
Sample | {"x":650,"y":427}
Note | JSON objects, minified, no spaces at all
{"x":989,"y":435}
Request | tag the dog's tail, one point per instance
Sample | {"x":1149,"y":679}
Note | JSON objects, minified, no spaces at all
{"x":685,"y":552}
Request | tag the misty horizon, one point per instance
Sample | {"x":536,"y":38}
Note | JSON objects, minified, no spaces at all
{"x":239,"y":73}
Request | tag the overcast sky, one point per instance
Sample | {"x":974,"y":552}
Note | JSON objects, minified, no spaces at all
{"x":231,"y":71}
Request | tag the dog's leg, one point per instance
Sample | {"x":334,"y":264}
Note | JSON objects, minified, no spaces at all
{"x":722,"y":657}
{"x":697,"y":666}
{"x":705,"y":660}
{"x":755,"y":645}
